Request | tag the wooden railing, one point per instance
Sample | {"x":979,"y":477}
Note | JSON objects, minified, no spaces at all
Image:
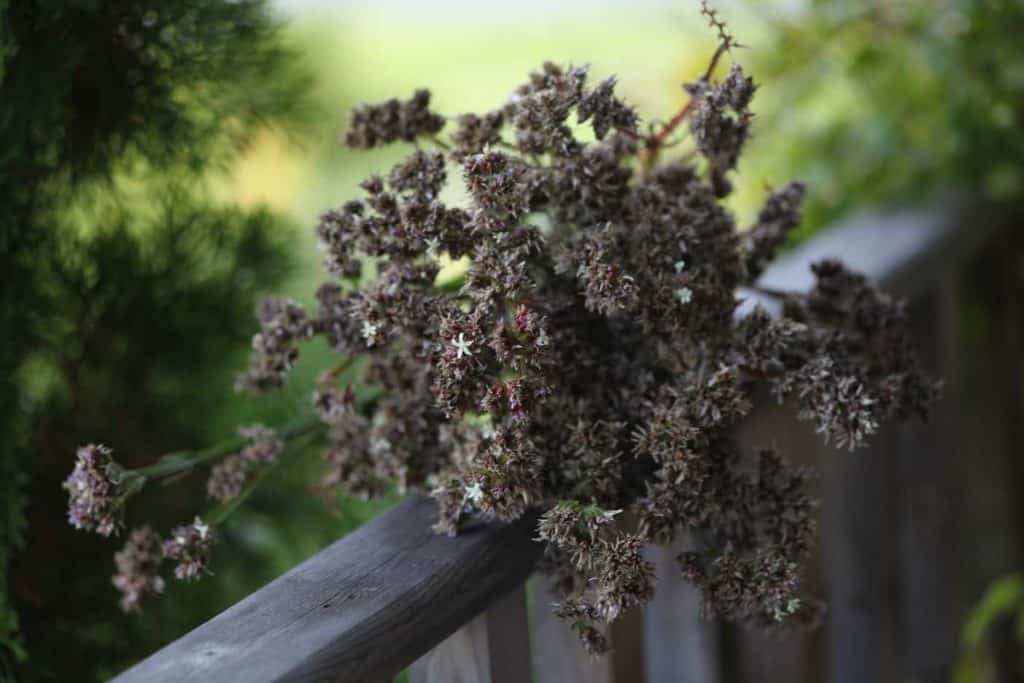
{"x":911,"y":528}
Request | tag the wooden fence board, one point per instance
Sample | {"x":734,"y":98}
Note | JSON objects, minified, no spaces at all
{"x":557,"y":653}
{"x":492,"y":648}
{"x":681,"y":646}
{"x":929,"y":497}
{"x":858,"y":533}
{"x":361,"y":610}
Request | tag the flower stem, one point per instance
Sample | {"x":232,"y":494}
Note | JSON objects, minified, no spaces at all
{"x":181,"y":461}
{"x":440,"y":143}
{"x":221,"y":512}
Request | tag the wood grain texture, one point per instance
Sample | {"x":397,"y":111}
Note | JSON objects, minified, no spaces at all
{"x":492,"y":648}
{"x":508,"y":638}
{"x":681,"y":646}
{"x":557,"y":654}
{"x":628,"y":657}
{"x":361,"y":610}
{"x":463,"y":657}
{"x":933,"y":599}
{"x":859,"y":532}
{"x":990,"y":431}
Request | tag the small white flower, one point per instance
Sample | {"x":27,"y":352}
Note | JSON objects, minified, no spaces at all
{"x":685,"y":295}
{"x":680,"y":265}
{"x":201,"y":527}
{"x":462,"y":346}
{"x":432,"y":245}
{"x":370,"y":332}
{"x":542,"y":339}
{"x":475,"y":493}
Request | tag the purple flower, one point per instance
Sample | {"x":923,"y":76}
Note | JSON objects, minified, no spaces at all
{"x":95,"y":491}
{"x":138,"y":568}
{"x":229,"y":477}
{"x":190,"y":547}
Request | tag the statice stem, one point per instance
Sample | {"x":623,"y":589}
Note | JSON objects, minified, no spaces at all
{"x":440,"y":143}
{"x":223,"y":511}
{"x":173,"y":463}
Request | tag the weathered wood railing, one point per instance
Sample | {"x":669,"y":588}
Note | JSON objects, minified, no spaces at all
{"x":911,"y":528}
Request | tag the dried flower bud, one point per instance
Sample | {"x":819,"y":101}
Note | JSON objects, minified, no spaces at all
{"x":373,"y":125}
{"x":606,"y":110}
{"x":95,"y":487}
{"x":721,"y":122}
{"x":229,"y":477}
{"x":421,"y":175}
{"x":780,"y":214}
{"x":283,"y":323}
{"x":476,"y":133}
{"x":265,"y":446}
{"x":190,"y":546}
{"x":138,"y":569}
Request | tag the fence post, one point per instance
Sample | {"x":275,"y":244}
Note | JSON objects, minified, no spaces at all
{"x":991,"y":429}
{"x":929,"y":499}
{"x":857,"y":536}
{"x":557,"y":653}
{"x":492,"y":648}
{"x":558,"y":656}
{"x":681,"y":646}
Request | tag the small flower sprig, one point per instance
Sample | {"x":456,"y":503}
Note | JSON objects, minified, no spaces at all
{"x":98,"y":489}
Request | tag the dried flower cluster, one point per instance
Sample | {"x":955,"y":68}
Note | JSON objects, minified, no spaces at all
{"x":98,"y":488}
{"x":589,"y":362}
{"x":139,"y":561}
{"x":138,"y":568}
{"x":94,"y":491}
{"x":189,"y":546}
{"x":230,"y":476}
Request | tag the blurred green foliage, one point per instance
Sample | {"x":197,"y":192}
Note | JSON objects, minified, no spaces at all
{"x":993,"y":634}
{"x":877,"y":102}
{"x":126,"y":297}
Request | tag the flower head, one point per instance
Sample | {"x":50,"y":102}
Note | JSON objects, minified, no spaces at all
{"x":462,"y":346}
{"x":138,"y":569}
{"x":95,"y":491}
{"x":474,"y":492}
{"x":369,"y":332}
{"x":190,"y":547}
{"x":229,"y":477}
